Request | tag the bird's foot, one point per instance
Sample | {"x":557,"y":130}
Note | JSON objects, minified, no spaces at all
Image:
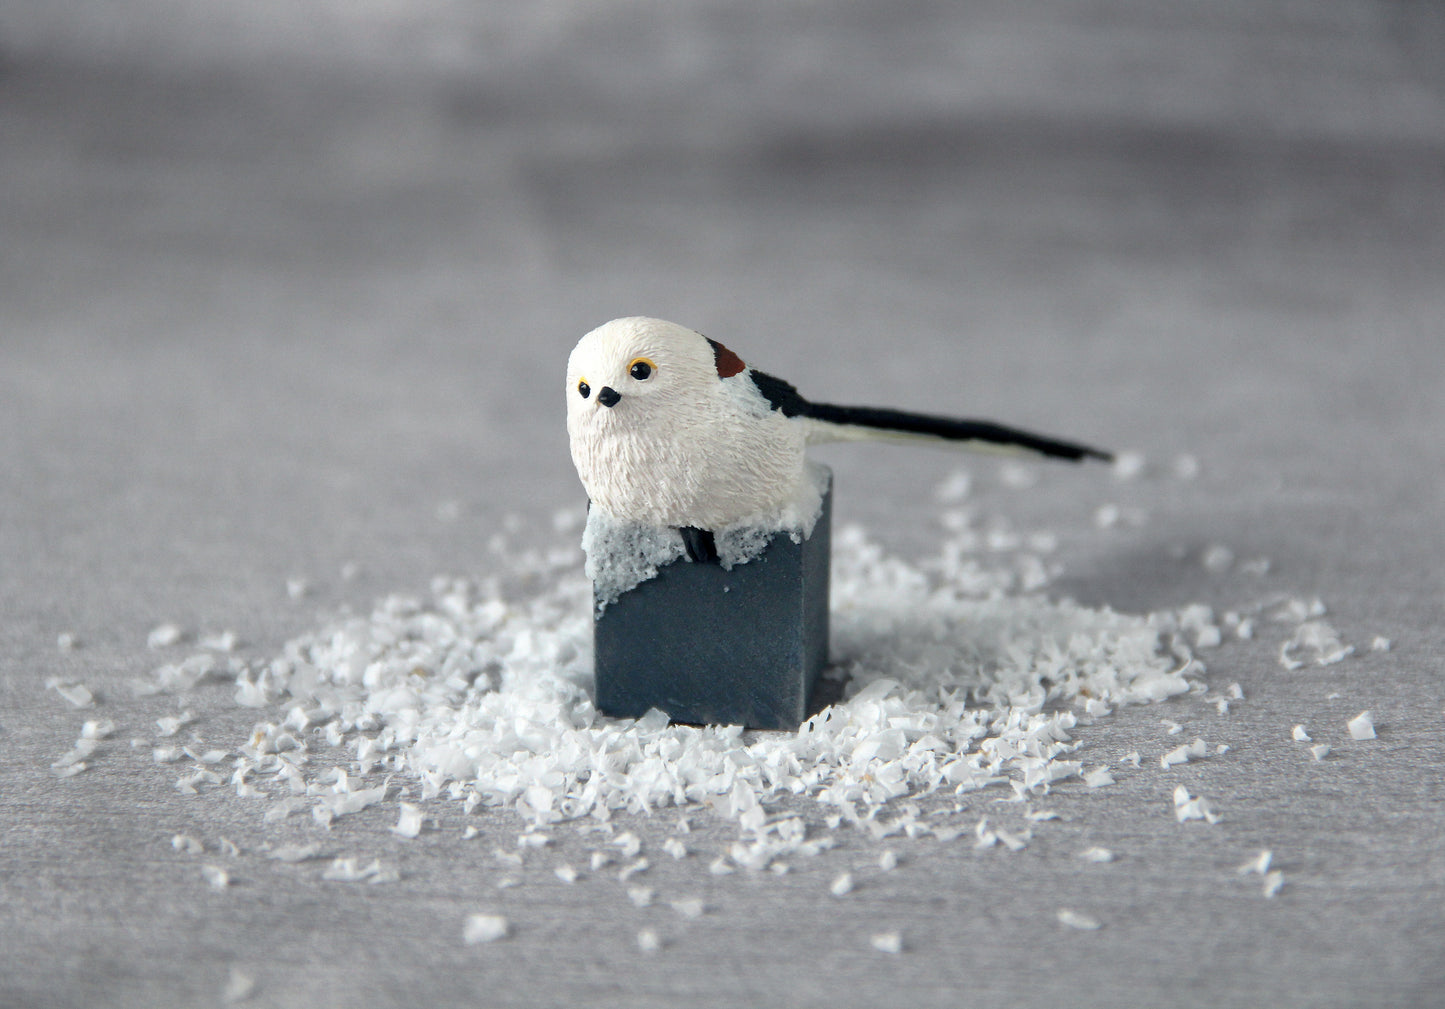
{"x":701,"y":547}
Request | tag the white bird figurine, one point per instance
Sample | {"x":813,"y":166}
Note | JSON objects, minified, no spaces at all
{"x":669,"y":428}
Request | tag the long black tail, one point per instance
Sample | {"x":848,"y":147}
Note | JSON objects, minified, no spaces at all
{"x":850,"y":423}
{"x":977,"y":433}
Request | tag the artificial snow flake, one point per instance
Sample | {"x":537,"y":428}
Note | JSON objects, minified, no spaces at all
{"x":1258,"y":864}
{"x":1362,"y":726}
{"x":1075,"y":920}
{"x":409,"y":821}
{"x":164,"y":636}
{"x":77,"y":695}
{"x":689,"y":907}
{"x":886,"y":942}
{"x":482,"y":928}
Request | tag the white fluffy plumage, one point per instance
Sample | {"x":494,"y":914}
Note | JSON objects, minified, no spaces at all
{"x":683,"y":446}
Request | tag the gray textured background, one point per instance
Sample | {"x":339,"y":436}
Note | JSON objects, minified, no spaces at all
{"x":284,"y":287}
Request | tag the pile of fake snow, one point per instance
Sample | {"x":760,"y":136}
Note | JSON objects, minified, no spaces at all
{"x":960,"y":676}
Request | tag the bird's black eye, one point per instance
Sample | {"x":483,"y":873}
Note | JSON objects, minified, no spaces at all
{"x":641,"y":369}
{"x":583,"y":389}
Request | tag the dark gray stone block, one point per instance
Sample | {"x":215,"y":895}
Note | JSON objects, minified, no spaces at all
{"x":709,"y":646}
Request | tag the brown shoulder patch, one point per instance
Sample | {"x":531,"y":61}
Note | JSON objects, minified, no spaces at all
{"x":728,"y":363}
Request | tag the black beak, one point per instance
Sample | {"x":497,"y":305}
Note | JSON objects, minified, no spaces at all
{"x":609,"y":396}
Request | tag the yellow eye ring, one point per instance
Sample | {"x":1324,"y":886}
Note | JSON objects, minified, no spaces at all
{"x":641,"y":368}
{"x":583,"y":389}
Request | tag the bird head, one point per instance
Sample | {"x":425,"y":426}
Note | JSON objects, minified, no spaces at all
{"x":635,"y":371}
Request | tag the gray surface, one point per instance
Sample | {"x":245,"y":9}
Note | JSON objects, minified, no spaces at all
{"x":275,"y":300}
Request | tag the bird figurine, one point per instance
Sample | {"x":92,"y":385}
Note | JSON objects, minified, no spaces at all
{"x":669,"y":428}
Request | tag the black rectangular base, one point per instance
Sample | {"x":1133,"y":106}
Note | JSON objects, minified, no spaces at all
{"x":709,"y":646}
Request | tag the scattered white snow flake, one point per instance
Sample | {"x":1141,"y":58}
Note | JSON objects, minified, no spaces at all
{"x":842,"y":885}
{"x":1256,"y":567}
{"x":886,"y":942}
{"x":1235,"y":692}
{"x":350,"y":870}
{"x":1173,"y":728}
{"x":1097,"y":855}
{"x":482,"y":928}
{"x":66,"y":641}
{"x":1131,"y":758}
{"x":216,"y":877}
{"x":69,"y":770}
{"x":164,"y":636}
{"x":1217,"y":558}
{"x":1273,"y":881}
{"x":1380,"y":644}
{"x":629,"y":842}
{"x":294,"y":853}
{"x":187,"y":844}
{"x":689,"y":907}
{"x":1012,"y":841}
{"x":77,"y":695}
{"x":1099,"y":777}
{"x":297,"y":588}
{"x":648,"y":941}
{"x":1128,"y":465}
{"x":1221,"y":749}
{"x":239,"y":987}
{"x":1183,"y":754}
{"x":166,"y":754}
{"x":1106,"y":516}
{"x":1187,"y":807}
{"x":641,"y":896}
{"x":1320,"y":751}
{"x":169,"y":725}
{"x":1362,"y":726}
{"x":888,"y":860}
{"x":284,"y":808}
{"x":719,"y":867}
{"x":565,"y":873}
{"x":97,"y":729}
{"x":82,"y":749}
{"x":675,"y":848}
{"x":1258,"y":864}
{"x":1245,"y":630}
{"x":533,"y":839}
{"x":628,"y":871}
{"x":469,"y":832}
{"x":1299,"y":735}
{"x":1075,"y":920}
{"x":600,"y":860}
{"x":409,"y":821}
{"x":228,"y":848}
{"x":349,"y":571}
{"x":225,"y":641}
{"x":1318,"y":642}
